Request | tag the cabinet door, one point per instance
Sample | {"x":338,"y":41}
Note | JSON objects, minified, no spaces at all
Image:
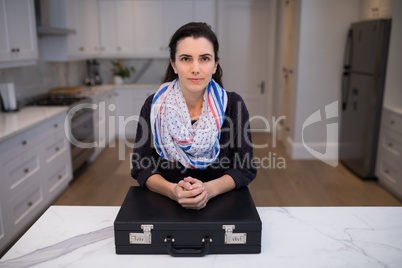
{"x":183,"y":13}
{"x":88,"y":27}
{"x":124,"y":27}
{"x":204,"y":11}
{"x":17,"y":31}
{"x":148,"y":21}
{"x":125,"y":127}
{"x":107,"y":28}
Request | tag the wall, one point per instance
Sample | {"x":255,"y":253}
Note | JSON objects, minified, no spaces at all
{"x":393,"y":82}
{"x":34,"y":80}
{"x":319,"y":58}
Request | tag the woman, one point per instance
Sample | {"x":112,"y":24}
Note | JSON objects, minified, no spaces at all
{"x":201,"y":144}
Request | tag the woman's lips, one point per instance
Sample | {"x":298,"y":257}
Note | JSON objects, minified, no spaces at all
{"x":195,"y":80}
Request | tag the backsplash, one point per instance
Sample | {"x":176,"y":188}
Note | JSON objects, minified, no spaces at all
{"x":31,"y":81}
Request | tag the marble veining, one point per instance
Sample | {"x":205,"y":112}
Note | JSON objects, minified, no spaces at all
{"x":291,"y":237}
{"x":59,"y":249}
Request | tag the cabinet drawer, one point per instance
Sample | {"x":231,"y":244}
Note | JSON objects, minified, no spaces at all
{"x":392,"y":121}
{"x":18,"y":145}
{"x":24,"y":203}
{"x":58,"y":179}
{"x":392,"y":142}
{"x":55,"y":148}
{"x":19,"y":171}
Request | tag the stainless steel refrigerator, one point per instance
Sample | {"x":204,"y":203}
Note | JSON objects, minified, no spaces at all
{"x":365,"y":61}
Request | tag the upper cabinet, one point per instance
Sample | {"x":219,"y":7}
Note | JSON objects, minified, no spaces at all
{"x":73,"y":14}
{"x":156,"y":21}
{"x":376,"y":9}
{"x":116,"y":31}
{"x":18,"y":42}
{"x":143,"y":28}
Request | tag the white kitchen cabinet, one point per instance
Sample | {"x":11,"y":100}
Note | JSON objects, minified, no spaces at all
{"x":155,"y":22}
{"x":104,"y":121}
{"x":18,"y":41}
{"x":82,"y":16}
{"x":129,"y":102}
{"x":35,"y":167}
{"x":376,"y":9}
{"x":116,"y":29}
{"x":389,"y":159}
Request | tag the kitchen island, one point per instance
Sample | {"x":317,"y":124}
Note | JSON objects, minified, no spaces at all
{"x":68,"y":236}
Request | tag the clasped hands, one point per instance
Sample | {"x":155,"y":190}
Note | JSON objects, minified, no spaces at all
{"x":191,"y":193}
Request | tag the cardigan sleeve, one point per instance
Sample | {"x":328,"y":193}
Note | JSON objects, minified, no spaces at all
{"x":243,"y":169}
{"x":144,"y":158}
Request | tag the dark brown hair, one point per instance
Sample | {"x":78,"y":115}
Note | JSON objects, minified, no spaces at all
{"x":196,"y":30}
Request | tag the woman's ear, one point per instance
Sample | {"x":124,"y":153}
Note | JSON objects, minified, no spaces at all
{"x":173,"y":66}
{"x":216,"y":66}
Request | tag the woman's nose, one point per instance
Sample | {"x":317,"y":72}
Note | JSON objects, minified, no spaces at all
{"x":195,"y":68}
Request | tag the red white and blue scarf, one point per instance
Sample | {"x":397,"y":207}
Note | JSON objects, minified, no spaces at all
{"x":175,"y":137}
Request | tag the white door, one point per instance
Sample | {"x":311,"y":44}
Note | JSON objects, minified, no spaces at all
{"x":244,"y":34}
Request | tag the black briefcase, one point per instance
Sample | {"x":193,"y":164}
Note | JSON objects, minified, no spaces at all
{"x":149,"y":223}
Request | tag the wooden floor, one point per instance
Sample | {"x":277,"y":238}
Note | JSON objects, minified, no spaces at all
{"x":280,"y":181}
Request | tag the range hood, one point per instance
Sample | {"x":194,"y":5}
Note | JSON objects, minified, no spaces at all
{"x":43,"y":27}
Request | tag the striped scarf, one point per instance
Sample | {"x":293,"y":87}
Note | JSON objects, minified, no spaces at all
{"x":195,"y":145}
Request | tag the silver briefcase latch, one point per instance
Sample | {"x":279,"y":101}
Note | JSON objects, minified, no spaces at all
{"x":142,"y":238}
{"x":234,"y":238}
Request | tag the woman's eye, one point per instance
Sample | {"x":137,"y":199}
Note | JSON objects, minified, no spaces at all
{"x":205,"y":59}
{"x":185,"y":59}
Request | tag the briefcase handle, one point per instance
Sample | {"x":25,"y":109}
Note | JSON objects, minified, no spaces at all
{"x":187,"y":252}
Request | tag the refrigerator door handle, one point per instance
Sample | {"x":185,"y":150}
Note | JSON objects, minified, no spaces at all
{"x":355,"y":98}
{"x":347,"y":60}
{"x":345,"y":90}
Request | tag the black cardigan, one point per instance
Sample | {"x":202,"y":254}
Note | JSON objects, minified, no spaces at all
{"x":235,"y":158}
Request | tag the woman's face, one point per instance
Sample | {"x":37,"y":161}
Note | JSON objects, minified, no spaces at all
{"x":194,"y":64}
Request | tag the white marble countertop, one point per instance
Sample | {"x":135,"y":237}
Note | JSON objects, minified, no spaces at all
{"x":12,"y":124}
{"x":292,"y":237}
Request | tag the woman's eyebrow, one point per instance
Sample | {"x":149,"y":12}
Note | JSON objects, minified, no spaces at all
{"x":185,"y":55}
{"x":206,"y":55}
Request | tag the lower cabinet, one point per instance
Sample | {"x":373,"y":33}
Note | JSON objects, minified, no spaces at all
{"x":129,"y":102}
{"x":389,"y":169}
{"x":35,"y":167}
{"x":104,"y":121}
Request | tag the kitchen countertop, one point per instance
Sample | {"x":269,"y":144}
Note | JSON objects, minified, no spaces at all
{"x":292,"y":237}
{"x":12,"y":124}
{"x":100,"y":89}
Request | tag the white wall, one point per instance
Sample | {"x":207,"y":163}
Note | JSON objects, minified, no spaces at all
{"x":393,"y":82}
{"x":319,"y":58}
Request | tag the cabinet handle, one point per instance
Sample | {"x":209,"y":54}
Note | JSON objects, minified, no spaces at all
{"x":392,"y":122}
{"x":386,"y":171}
{"x":56,"y":125}
{"x":390,"y":144}
{"x":59,"y":177}
{"x":26,"y":170}
{"x":30,"y":204}
{"x":13,"y":50}
{"x":24,"y":142}
{"x":57,"y":149}
{"x":81,"y":48}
